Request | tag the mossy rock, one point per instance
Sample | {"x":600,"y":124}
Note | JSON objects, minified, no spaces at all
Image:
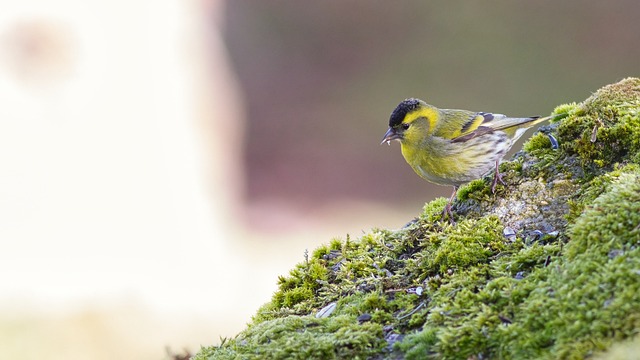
{"x":547,"y":268}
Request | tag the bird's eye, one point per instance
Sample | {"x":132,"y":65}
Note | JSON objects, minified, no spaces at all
{"x":405,"y":126}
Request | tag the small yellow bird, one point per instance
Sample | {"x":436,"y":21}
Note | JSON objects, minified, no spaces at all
{"x":453,"y":147}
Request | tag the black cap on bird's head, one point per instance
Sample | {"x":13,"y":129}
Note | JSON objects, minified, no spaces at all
{"x":397,"y":116}
{"x":405,"y":107}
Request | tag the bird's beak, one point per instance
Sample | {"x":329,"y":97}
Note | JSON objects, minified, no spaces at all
{"x":390,"y":135}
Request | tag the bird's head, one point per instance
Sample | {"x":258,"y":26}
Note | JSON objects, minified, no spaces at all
{"x":410,"y":122}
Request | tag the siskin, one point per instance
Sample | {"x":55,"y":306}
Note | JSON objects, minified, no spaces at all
{"x":453,"y":147}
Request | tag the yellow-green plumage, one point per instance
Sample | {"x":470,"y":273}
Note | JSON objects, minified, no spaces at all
{"x":453,"y":147}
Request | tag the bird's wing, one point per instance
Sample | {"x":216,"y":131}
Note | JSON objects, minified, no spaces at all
{"x":483,"y":123}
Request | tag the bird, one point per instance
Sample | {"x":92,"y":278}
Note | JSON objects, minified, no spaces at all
{"x":453,"y":147}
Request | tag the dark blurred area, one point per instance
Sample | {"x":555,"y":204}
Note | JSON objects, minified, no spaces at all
{"x":321,"y":78}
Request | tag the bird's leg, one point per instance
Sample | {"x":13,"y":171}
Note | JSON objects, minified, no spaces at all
{"x":447,"y":209}
{"x":497,"y":177}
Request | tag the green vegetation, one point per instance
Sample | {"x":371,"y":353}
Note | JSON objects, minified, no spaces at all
{"x":547,"y":268}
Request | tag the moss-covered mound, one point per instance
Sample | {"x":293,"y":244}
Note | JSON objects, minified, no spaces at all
{"x":548,"y":267}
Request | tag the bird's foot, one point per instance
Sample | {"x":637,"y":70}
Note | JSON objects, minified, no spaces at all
{"x":447,"y":213}
{"x":496,"y":178}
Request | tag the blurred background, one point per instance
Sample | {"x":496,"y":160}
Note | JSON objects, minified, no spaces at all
{"x":162,"y":162}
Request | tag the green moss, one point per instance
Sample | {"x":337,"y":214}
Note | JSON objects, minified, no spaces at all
{"x":475,"y":187}
{"x":612,"y":221}
{"x":566,"y":109}
{"x":433,"y":210}
{"x":468,"y":243}
{"x":536,"y":142}
{"x":564,"y":283}
{"x":591,"y":189}
{"x":606,"y":128}
{"x":555,"y":312}
{"x":296,"y":337}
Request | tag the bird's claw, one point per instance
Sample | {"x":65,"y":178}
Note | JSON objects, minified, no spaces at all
{"x":497,"y":178}
{"x":447,"y":213}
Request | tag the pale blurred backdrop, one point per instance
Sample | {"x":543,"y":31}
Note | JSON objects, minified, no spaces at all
{"x":162,"y":162}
